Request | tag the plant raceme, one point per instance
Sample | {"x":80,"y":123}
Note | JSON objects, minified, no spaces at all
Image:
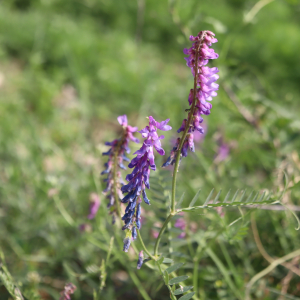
{"x":134,"y":191}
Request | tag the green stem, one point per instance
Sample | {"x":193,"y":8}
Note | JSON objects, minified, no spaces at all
{"x":143,"y":245}
{"x":132,"y":275}
{"x":63,"y":211}
{"x":138,"y":284}
{"x":115,"y":185}
{"x":162,"y":274}
{"x":161,"y":232}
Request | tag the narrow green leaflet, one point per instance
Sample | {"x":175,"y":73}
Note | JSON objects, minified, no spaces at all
{"x":168,"y":261}
{"x":255,"y":197}
{"x":174,"y":268}
{"x":249,"y":197}
{"x":208,"y":198}
{"x":220,"y":204}
{"x":217,"y":197}
{"x":187,"y":296}
{"x":235,"y":195}
{"x":180,"y":200}
{"x":183,"y":290}
{"x":227,"y":196}
{"x":242,"y":196}
{"x":261,"y":197}
{"x":195,"y":199}
{"x":178,"y":279}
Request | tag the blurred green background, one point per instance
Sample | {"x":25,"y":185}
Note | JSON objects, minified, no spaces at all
{"x":68,"y":68}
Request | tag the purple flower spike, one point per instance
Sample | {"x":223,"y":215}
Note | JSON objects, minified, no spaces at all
{"x":204,"y":89}
{"x":138,"y":180}
{"x":94,"y":206}
{"x":121,"y":147}
{"x":140,"y":260}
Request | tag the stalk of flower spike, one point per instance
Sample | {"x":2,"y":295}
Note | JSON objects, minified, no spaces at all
{"x":204,"y":89}
{"x":138,"y":180}
{"x":116,"y":156}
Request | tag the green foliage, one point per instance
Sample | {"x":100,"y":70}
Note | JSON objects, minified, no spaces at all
{"x":187,"y":296}
{"x":183,"y":290}
{"x":178,"y":279}
{"x":173,"y":268}
{"x":69,"y":68}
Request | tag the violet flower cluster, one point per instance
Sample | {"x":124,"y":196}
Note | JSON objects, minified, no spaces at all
{"x":138,"y":180}
{"x":69,"y":289}
{"x":117,"y":152}
{"x":204,"y":90}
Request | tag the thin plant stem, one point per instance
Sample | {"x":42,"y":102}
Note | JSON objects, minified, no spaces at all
{"x":143,"y":245}
{"x":115,"y":185}
{"x":133,"y":277}
{"x":170,"y":216}
{"x":168,"y":286}
{"x":63,"y":211}
{"x":267,"y":270}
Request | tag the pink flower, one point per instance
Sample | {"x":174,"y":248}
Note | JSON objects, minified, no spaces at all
{"x":94,"y":206}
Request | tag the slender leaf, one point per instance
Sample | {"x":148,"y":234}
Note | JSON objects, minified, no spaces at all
{"x":234,"y":196}
{"x":183,"y":290}
{"x":217,"y":197}
{"x":178,"y":279}
{"x":242,"y":196}
{"x":168,"y":261}
{"x":180,"y":201}
{"x":187,"y":296}
{"x":195,"y":199}
{"x":209,"y":196}
{"x":261,"y":197}
{"x":174,"y":268}
{"x":249,"y":197}
{"x":227,"y":196}
{"x":255,"y":197}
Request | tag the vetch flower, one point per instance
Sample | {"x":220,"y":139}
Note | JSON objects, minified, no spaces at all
{"x":200,"y":96}
{"x":223,"y":152}
{"x":69,"y":289}
{"x":94,"y":206}
{"x":116,"y":155}
{"x":140,"y":260}
{"x":138,"y":180}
